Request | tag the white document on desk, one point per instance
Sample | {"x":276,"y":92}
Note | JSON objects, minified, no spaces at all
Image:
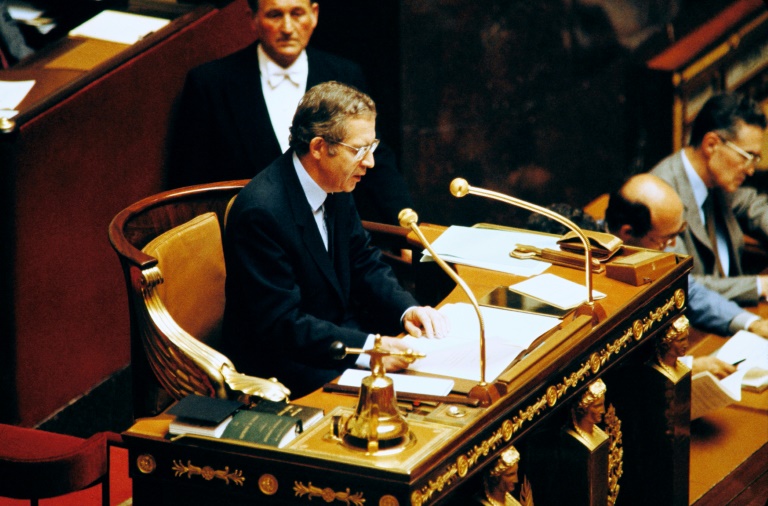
{"x":120,"y":27}
{"x":558,"y":291}
{"x":489,"y":249}
{"x":11,"y":95}
{"x":507,"y":335}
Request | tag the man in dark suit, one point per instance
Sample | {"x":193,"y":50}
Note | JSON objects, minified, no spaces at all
{"x":235,"y":112}
{"x":725,"y":145}
{"x":301,"y":272}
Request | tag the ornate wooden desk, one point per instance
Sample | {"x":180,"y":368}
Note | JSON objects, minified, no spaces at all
{"x":446,"y":461}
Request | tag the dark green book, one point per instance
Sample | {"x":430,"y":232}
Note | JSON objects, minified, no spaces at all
{"x":308,"y":415}
{"x":263,"y":428}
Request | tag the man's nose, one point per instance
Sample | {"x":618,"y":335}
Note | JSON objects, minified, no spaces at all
{"x":368,"y":160}
{"x":287,"y":24}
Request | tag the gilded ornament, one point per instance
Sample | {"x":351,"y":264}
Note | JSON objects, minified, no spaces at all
{"x":637,"y":329}
{"x":268,"y":484}
{"x":551,"y":396}
{"x":208,"y":473}
{"x":462,"y":465}
{"x":389,"y":500}
{"x":416,"y":498}
{"x":594,"y":363}
{"x":328,"y":494}
{"x":679,"y":298}
{"x":507,"y":430}
{"x":146,"y":463}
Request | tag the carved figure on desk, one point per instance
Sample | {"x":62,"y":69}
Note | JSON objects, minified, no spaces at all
{"x":501,"y":480}
{"x":673,"y":345}
{"x":587,"y":413}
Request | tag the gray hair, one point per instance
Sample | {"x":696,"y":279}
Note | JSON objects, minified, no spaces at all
{"x":324,"y":112}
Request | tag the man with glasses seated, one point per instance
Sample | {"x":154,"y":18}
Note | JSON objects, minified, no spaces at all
{"x":646,"y":212}
{"x":725,"y":146}
{"x":301,"y":271}
{"x":234,"y":112}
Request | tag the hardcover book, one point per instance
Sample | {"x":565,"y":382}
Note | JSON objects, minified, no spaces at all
{"x":308,"y":415}
{"x":263,"y":428}
{"x":205,"y":416}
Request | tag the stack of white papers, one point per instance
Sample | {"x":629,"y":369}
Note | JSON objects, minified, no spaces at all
{"x":11,"y":95}
{"x":507,"y":335}
{"x":557,"y":291}
{"x":489,"y":249}
{"x":750,"y":351}
{"x":120,"y":27}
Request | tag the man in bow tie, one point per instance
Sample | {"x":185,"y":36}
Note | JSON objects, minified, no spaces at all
{"x":235,"y":112}
{"x":725,"y":146}
{"x":299,"y":277}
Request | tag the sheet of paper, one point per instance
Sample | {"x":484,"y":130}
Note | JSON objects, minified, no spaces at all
{"x":507,"y":335}
{"x":489,"y":249}
{"x":708,"y":393}
{"x":402,"y":382}
{"x":555,"y":290}
{"x":12,"y":93}
{"x":122,"y":27}
{"x":753,"y":350}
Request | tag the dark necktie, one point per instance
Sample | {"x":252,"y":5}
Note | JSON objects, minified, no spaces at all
{"x":711,"y":214}
{"x":328,"y":215}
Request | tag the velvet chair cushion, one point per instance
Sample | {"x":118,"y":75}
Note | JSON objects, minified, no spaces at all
{"x":191,"y":258}
{"x":39,"y":464}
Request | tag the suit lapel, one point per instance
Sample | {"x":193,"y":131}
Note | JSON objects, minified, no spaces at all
{"x":250,"y":110}
{"x":691,"y":212}
{"x":305,"y":223}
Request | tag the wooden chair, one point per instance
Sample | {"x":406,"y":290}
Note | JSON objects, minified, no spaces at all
{"x":37,"y":464}
{"x":170,"y":249}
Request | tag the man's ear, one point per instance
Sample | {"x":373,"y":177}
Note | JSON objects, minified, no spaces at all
{"x":315,"y":13}
{"x":709,"y":143}
{"x":315,"y":147}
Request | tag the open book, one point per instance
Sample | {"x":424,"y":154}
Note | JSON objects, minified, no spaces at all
{"x":750,"y":351}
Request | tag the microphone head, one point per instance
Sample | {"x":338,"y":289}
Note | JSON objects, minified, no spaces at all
{"x":459,"y":187}
{"x":407,"y":217}
{"x":337,"y":350}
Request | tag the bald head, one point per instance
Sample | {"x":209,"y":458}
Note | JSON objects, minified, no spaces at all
{"x":645,"y":212}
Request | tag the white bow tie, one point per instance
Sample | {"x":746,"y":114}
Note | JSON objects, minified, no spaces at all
{"x":276,"y":75}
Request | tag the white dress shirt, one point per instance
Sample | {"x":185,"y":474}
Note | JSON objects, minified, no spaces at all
{"x":282,"y":88}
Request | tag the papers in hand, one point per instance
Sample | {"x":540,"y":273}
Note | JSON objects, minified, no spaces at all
{"x":402,"y":382}
{"x":708,"y":393}
{"x":489,"y":249}
{"x":555,"y":290}
{"x":752,"y":350}
{"x":120,"y":27}
{"x":507,"y":335}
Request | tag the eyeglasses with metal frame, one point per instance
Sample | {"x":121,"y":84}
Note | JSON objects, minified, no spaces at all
{"x":361,"y":151}
{"x":749,"y":158}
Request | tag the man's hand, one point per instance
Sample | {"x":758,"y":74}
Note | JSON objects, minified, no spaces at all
{"x":425,"y":320}
{"x":759,"y":327}
{"x":714,"y":365}
{"x":763,"y":280}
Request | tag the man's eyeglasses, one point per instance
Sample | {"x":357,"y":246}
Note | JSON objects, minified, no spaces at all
{"x":667,"y":240}
{"x":362,"y":151}
{"x":749,"y":158}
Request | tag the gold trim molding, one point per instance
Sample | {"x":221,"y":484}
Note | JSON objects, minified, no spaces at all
{"x":327,"y":494}
{"x":207,"y":472}
{"x":615,"y":454}
{"x":553,"y":393}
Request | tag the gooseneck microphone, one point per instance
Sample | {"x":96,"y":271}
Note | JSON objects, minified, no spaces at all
{"x":484,"y":392}
{"x":460,"y":188}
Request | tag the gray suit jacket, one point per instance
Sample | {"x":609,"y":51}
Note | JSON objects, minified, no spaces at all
{"x":745,"y":209}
